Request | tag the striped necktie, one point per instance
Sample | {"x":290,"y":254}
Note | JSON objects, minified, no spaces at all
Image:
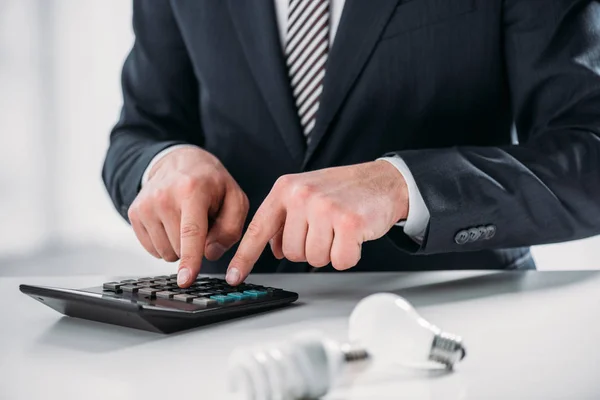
{"x":306,"y":50}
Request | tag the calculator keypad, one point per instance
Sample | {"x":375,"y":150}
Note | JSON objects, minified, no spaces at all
{"x":204,"y":292}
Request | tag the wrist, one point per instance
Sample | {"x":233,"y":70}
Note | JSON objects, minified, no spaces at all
{"x":178,"y":158}
{"x":397,"y":190}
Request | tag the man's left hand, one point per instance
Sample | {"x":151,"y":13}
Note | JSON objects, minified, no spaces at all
{"x":324,"y":216}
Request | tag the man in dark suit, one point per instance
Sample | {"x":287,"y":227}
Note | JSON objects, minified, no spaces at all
{"x":318,"y":126}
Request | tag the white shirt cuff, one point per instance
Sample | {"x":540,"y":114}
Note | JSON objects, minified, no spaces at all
{"x":418,"y":217}
{"x":158,"y":157}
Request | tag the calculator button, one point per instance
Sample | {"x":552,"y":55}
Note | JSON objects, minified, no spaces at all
{"x":201,"y":286}
{"x":239,"y":296}
{"x":173,"y":276}
{"x":184,"y":297}
{"x":146,"y":291}
{"x":204,"y":302}
{"x":222,"y":299}
{"x":112,"y":286}
{"x":204,"y":294}
{"x":146,"y":279}
{"x":165,"y":294}
{"x":161,"y":277}
{"x":161,"y":282}
{"x":147,"y":284}
{"x":130,"y":288}
{"x":124,"y":281}
{"x":255,"y":293}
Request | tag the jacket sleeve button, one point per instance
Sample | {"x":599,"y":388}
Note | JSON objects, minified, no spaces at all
{"x":490,"y":232}
{"x":461,"y":237}
{"x":474,"y":234}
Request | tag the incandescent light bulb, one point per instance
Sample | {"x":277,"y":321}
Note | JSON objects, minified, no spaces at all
{"x":391,"y":331}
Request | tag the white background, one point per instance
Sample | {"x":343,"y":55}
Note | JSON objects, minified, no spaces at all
{"x":60,"y":64}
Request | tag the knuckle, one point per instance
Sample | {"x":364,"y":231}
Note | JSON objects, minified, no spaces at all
{"x":231,"y":233}
{"x":302,"y":192}
{"x":245,"y":203}
{"x":345,"y":257}
{"x":162,"y":199}
{"x":190,"y":229}
{"x":317,"y":261}
{"x":254,"y":230}
{"x":293,"y":254}
{"x":284,"y":182}
{"x":351,"y":221}
{"x":170,"y":256}
{"x":141,"y":208}
{"x":187,"y":184}
{"x":133,"y":213}
{"x":341,"y":264}
{"x":326,"y":206}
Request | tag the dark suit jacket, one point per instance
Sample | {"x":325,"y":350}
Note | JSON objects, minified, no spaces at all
{"x":439,"y":82}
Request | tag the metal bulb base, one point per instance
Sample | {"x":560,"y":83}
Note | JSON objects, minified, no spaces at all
{"x":447,"y":349}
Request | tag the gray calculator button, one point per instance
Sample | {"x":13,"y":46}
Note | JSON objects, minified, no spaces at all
{"x":165,"y":294}
{"x":147,"y":284}
{"x":128,"y":281}
{"x":184,"y":297}
{"x":146,"y":291}
{"x":130,"y":288}
{"x":112,"y":286}
{"x":146,"y":279}
{"x":161,"y":282}
{"x":161,"y":277}
{"x":204,"y":302}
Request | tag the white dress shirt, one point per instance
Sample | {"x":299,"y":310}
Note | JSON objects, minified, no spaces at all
{"x":418,"y":214}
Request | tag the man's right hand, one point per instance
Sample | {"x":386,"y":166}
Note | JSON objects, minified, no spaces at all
{"x":190,"y":207}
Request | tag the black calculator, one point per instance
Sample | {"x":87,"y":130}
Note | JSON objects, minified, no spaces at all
{"x":157,"y":304}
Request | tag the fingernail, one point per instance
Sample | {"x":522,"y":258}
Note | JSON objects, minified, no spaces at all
{"x":233,"y":275}
{"x":183,"y":276}
{"x":216,"y":250}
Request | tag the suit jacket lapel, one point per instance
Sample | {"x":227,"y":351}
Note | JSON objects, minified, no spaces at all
{"x":361,"y":25}
{"x":256,"y":25}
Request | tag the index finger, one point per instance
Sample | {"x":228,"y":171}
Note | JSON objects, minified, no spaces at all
{"x":194,"y":228}
{"x":266,"y":223}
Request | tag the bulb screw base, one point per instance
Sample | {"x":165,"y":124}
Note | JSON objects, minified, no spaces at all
{"x":447,"y":349}
{"x":353,"y":354}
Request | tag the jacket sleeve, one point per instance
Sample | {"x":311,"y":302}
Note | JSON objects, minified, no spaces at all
{"x":160,"y":101}
{"x":547,"y":188}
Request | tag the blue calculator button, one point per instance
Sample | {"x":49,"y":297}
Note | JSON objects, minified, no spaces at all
{"x":239,"y":296}
{"x":222,"y":299}
{"x":256,"y":293}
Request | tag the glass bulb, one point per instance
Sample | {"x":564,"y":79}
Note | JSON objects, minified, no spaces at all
{"x":391,"y":331}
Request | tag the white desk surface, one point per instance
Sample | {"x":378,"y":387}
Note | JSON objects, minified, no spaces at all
{"x":529,"y":335}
